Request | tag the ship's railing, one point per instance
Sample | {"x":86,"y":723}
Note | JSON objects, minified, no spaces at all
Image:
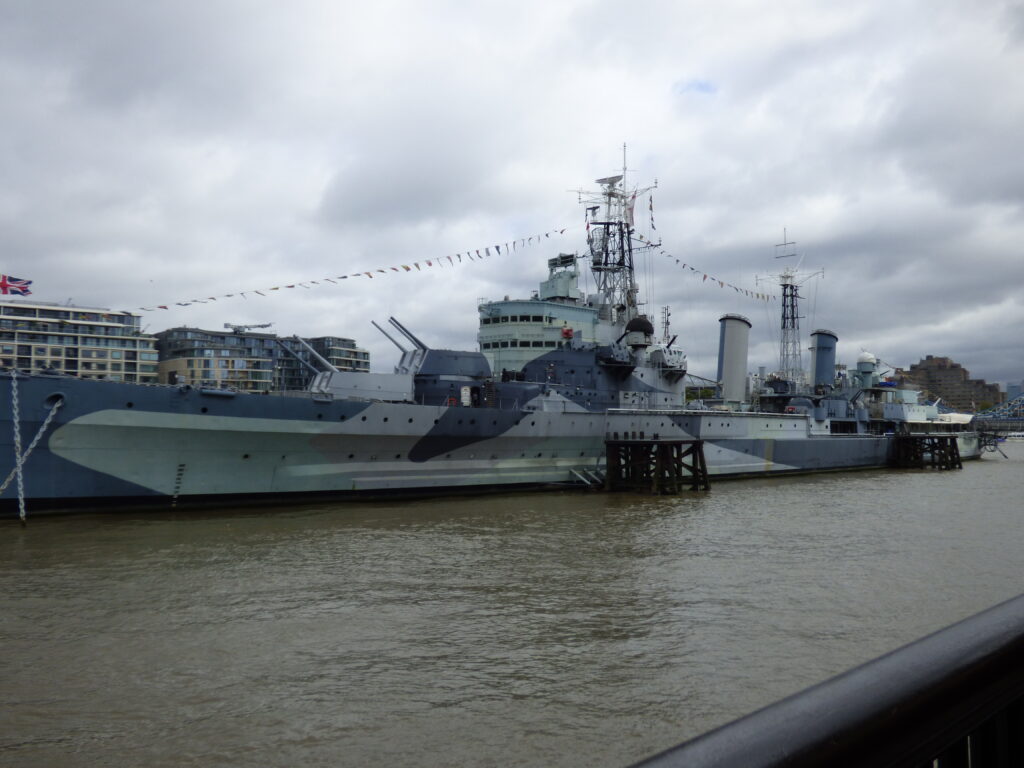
{"x":954,"y":698}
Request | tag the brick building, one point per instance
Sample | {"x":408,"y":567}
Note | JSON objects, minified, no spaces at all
{"x":942,"y":377}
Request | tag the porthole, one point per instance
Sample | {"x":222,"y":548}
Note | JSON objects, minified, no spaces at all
{"x":129,"y":405}
{"x":245,"y":455}
{"x":363,"y":418}
{"x":203,"y":409}
{"x":351,"y":455}
{"x":410,"y":421}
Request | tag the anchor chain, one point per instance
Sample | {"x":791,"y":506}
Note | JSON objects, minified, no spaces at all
{"x":19,"y":457}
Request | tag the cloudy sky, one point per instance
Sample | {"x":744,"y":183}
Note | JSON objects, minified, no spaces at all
{"x":153,"y":153}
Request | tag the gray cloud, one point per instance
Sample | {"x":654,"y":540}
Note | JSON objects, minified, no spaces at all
{"x":159,"y":153}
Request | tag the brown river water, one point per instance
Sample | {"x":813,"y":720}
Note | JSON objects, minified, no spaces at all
{"x":542,"y":629}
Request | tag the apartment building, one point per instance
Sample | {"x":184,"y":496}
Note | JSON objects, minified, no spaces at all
{"x":90,"y":342}
{"x":248,"y":361}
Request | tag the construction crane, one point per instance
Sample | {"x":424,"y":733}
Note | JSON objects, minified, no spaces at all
{"x":244,"y":328}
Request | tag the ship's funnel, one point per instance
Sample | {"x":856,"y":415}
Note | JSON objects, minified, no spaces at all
{"x":732,"y":357}
{"x":823,"y":354}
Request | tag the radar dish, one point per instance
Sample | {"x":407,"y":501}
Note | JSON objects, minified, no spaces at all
{"x":610,"y":180}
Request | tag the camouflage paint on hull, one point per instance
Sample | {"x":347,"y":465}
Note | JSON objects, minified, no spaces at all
{"x":152,"y":446}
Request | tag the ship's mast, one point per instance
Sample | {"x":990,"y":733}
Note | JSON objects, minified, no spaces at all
{"x":791,"y":366}
{"x":609,"y":239}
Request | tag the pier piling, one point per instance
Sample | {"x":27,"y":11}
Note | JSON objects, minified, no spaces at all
{"x":656,"y":466}
{"x":926,"y":452}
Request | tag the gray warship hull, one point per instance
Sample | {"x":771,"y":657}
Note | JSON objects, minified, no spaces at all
{"x":123,"y":445}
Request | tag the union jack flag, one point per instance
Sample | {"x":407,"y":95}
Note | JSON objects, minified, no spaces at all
{"x":14,"y":286}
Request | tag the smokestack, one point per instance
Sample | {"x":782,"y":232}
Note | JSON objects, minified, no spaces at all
{"x":823,"y":349}
{"x":732,"y":356}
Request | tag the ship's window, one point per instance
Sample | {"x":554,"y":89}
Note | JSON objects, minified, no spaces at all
{"x":485,"y":345}
{"x":537,"y":344}
{"x":503,"y":344}
{"x":485,"y":321}
{"x":503,"y":319}
{"x":537,"y":318}
{"x":550,"y":344}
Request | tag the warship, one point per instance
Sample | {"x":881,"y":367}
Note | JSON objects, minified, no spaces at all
{"x":554,"y":378}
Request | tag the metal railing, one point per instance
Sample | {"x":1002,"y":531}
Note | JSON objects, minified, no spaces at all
{"x":954,"y":698}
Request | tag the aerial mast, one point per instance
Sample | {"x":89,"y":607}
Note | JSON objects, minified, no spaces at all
{"x":609,"y":216}
{"x":791,"y":367}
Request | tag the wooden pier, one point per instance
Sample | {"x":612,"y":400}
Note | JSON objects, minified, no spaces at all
{"x":656,"y":466}
{"x":926,"y":452}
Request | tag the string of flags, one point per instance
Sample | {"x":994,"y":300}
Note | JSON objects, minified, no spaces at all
{"x":452,"y":260}
{"x":18,"y":286}
{"x":705,"y":277}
